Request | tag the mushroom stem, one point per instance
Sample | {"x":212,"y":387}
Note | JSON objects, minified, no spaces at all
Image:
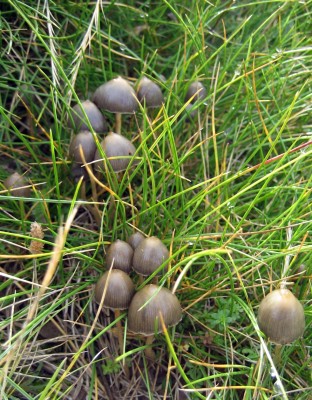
{"x":149,"y":352}
{"x":118,"y":123}
{"x":277,"y":355}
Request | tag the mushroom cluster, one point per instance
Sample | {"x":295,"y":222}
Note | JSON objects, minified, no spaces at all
{"x":115,"y":289}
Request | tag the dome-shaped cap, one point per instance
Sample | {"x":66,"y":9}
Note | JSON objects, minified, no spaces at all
{"x":147,"y":305}
{"x":150,"y":93}
{"x":135,"y":239}
{"x":149,"y":255}
{"x":96,"y":118}
{"x":118,"y":150}
{"x":119,"y":255}
{"x":116,"y":96}
{"x":119,"y":290}
{"x":196,"y":89}
{"x":17,"y":185}
{"x":86,"y":140}
{"x":281,"y":316}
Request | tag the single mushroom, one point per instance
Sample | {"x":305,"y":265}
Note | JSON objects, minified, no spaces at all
{"x":115,"y":290}
{"x":119,"y":256}
{"x":196,"y":92}
{"x":281,"y":316}
{"x":149,"y":93}
{"x":149,"y":255}
{"x":135,"y":239}
{"x":118,"y":150}
{"x":116,"y":96}
{"x":87,"y":109}
{"x":17,"y":185}
{"x":145,"y":309}
{"x":84,"y":143}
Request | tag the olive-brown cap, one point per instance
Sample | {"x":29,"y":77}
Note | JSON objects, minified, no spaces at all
{"x":150,"y":93}
{"x":119,"y":290}
{"x":117,"y":149}
{"x":146,"y":307}
{"x":149,"y":255}
{"x":96,"y":118}
{"x":281,"y":316}
{"x":17,"y":185}
{"x":196,"y":89}
{"x":119,"y":255}
{"x":116,"y":96}
{"x":85,"y":140}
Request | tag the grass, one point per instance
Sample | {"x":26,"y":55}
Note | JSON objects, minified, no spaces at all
{"x":228,"y":192}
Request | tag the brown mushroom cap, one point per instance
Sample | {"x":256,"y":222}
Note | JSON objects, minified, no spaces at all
{"x":147,"y":305}
{"x":149,"y":255}
{"x":135,"y":239}
{"x":96,"y":118}
{"x":17,"y":185}
{"x":150,"y":93}
{"x":119,"y":255}
{"x":196,"y":89}
{"x":281,"y":316}
{"x":86,"y":140}
{"x":117,"y":149}
{"x":119,"y":290}
{"x":116,"y":96}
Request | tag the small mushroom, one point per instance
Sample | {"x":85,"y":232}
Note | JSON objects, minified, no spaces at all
{"x":119,"y":256}
{"x":96,"y":118}
{"x":145,"y":309}
{"x":118,"y":150}
{"x":116,"y":96}
{"x":82,"y":142}
{"x":117,"y":289}
{"x":149,"y":255}
{"x":149,"y":93}
{"x":17,"y":185}
{"x":281,"y":316}
{"x":196,"y":92}
{"x":135,"y":239}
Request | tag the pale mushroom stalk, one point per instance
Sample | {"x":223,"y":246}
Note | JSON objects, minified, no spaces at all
{"x":118,"y":289}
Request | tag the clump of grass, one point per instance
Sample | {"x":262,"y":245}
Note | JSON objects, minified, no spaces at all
{"x":221,"y":190}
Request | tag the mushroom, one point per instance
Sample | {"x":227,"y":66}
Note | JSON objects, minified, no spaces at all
{"x":87,"y":109}
{"x":145,"y":309}
{"x":82,"y":142}
{"x":17,"y":185}
{"x":149,"y":93}
{"x":118,"y":150}
{"x":81,"y":150}
{"x":281,"y":316}
{"x":115,"y":290}
{"x":135,"y":239}
{"x":116,"y":96}
{"x":149,"y":255}
{"x":196,"y":91}
{"x":119,"y":256}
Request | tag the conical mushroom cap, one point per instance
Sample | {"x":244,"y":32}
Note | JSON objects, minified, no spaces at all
{"x":17,"y":185}
{"x":146,"y":307}
{"x":149,"y":255}
{"x":96,"y":118}
{"x":119,"y":290}
{"x":196,"y":89}
{"x":120,"y":254}
{"x":135,"y":239}
{"x":84,"y":139}
{"x":116,"y":96}
{"x":150,"y":93}
{"x":118,"y":150}
{"x":281,"y":316}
